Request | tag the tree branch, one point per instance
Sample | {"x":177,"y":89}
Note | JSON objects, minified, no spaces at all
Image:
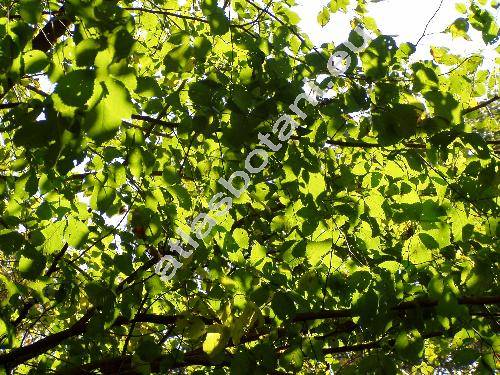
{"x":372,"y":345}
{"x":197,"y":357}
{"x":481,"y":105}
{"x":20,"y":355}
{"x":362,"y":144}
{"x":53,"y":30}
{"x":155,"y":121}
{"x":45,"y":39}
{"x":26,"y":308}
{"x":408,"y":305}
{"x":165,"y":12}
{"x":9,"y":105}
{"x":125,"y":365}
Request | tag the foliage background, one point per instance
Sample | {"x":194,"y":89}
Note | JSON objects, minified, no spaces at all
{"x":368,"y":245}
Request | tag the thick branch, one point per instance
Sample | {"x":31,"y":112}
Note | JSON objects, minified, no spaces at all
{"x":26,"y":308}
{"x":9,"y":105}
{"x":323,"y":314}
{"x":124,"y":365}
{"x":359,"y":144}
{"x":155,"y":121}
{"x":165,"y":12}
{"x":197,"y":357}
{"x":419,"y":303}
{"x":23,"y":354}
{"x":45,"y":39}
{"x":372,"y":345}
{"x":53,"y":30}
{"x":20,"y":355}
{"x":150,"y":263}
{"x":362,"y":144}
{"x":481,"y":105}
{"x":156,"y":319}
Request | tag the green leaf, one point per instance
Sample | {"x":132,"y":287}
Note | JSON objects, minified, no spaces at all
{"x":336,"y":5}
{"x":148,"y":87}
{"x":35,"y":134}
{"x":53,"y":234}
{"x":148,"y":350}
{"x":76,"y":87}
{"x":323,"y":17}
{"x":242,"y":363}
{"x":76,"y":233}
{"x":459,"y":29}
{"x":216,"y":339}
{"x":30,"y":10}
{"x":465,"y":357}
{"x":461,"y":8}
{"x":124,"y":263}
{"x":177,"y":59}
{"x":123,"y":43}
{"x":428,"y":241}
{"x":396,"y":123}
{"x":444,"y":105}
{"x":99,"y":294}
{"x":365,"y":305}
{"x":244,"y":323}
{"x":316,"y":251}
{"x":86,"y":52}
{"x":10,"y":241}
{"x":31,"y":263}
{"x":219,"y":24}
{"x":103,"y":121}
{"x":410,"y":345}
{"x":136,"y":162}
{"x":283,"y":306}
{"x":292,"y":359}
{"x":202,"y":47}
{"x":377,"y":57}
{"x":3,"y":327}
{"x":35,"y":61}
{"x":241,"y":237}
{"x":435,"y":287}
{"x":483,"y":21}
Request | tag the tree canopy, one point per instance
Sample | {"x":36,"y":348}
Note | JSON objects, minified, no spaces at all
{"x":368,"y":243}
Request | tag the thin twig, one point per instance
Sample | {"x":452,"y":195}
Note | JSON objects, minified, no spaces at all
{"x":428,"y":23}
